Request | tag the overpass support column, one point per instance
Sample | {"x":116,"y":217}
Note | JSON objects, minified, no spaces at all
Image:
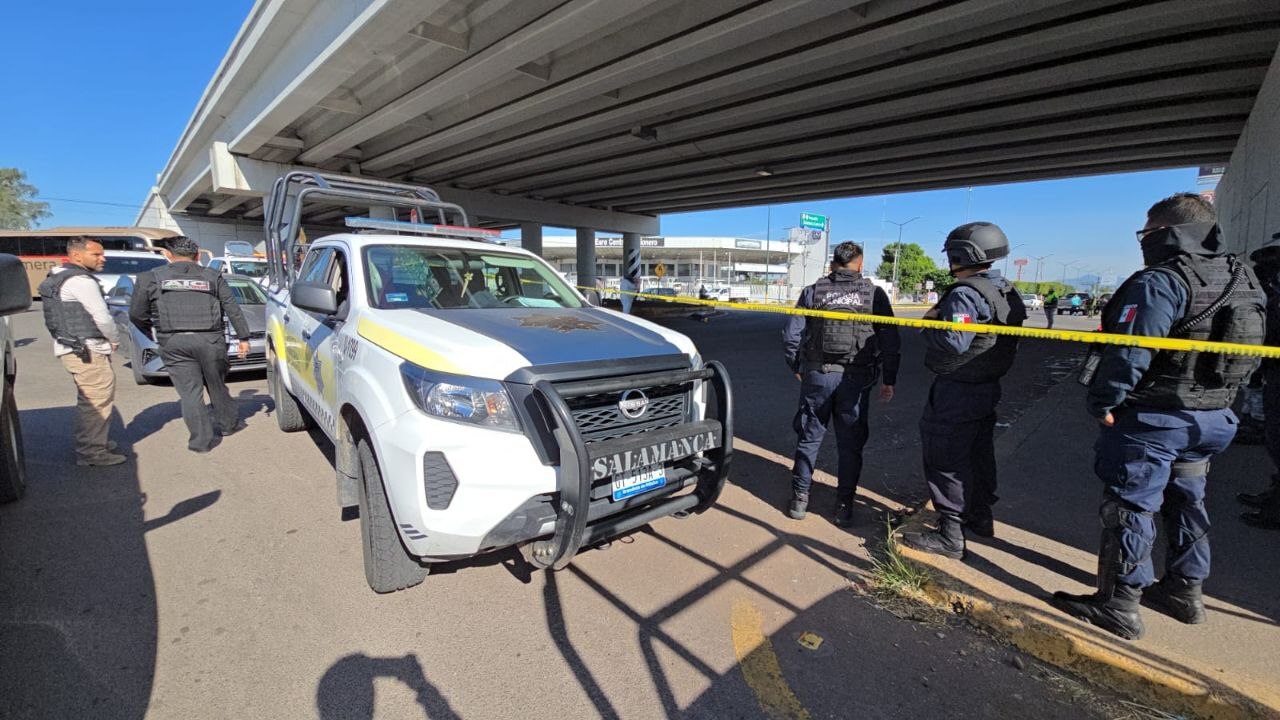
{"x":531,"y":237}
{"x":630,"y":268}
{"x":586,"y":258}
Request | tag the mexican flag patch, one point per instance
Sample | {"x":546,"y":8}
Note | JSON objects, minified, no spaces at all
{"x":962,"y":318}
{"x":1128,"y":314}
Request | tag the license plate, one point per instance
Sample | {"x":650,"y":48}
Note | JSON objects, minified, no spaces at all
{"x":639,"y":481}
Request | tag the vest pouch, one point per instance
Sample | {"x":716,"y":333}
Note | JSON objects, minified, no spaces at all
{"x":1238,"y":323}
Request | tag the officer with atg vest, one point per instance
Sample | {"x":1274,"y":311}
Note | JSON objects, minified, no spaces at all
{"x":957,"y":430}
{"x":185,"y":303}
{"x":1164,"y":415}
{"x":84,"y":336}
{"x":838,"y":362}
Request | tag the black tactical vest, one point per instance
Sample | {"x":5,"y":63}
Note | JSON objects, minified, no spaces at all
{"x":187,"y":299}
{"x":1225,"y":304}
{"x":838,"y":342}
{"x":989,"y":356}
{"x":68,"y":321}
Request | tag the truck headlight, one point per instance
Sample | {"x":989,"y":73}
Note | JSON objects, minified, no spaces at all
{"x":474,"y":401}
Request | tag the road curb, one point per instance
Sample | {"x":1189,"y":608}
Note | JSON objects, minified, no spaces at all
{"x":1079,"y":648}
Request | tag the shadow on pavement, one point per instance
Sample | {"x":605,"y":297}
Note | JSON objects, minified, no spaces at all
{"x":77,"y":595}
{"x":346,"y":690}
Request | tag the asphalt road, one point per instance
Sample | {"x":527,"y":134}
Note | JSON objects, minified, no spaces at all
{"x":228,"y":585}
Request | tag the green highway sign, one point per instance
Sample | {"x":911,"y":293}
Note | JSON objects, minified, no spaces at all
{"x":813,"y":221}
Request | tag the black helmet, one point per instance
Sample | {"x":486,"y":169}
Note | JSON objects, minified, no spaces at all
{"x":976,"y":243}
{"x":1268,"y":253}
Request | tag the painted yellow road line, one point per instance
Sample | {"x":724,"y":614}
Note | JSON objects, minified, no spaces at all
{"x":760,"y":667}
{"x":1081,"y":336}
{"x":401,"y":346}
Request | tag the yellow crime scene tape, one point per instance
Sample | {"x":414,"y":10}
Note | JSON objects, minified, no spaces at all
{"x":1080,"y":336}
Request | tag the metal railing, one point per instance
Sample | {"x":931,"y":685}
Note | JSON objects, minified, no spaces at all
{"x":282,"y":221}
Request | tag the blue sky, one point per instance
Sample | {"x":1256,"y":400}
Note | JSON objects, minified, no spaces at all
{"x":100,"y":110}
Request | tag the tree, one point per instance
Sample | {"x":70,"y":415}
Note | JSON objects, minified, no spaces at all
{"x":916,"y":267}
{"x":18,"y":211}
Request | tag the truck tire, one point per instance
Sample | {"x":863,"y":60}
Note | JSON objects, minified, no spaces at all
{"x":289,"y":414}
{"x":13,"y":466}
{"x":388,"y":566}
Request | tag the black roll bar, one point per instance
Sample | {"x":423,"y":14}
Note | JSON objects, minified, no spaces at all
{"x":282,"y":220}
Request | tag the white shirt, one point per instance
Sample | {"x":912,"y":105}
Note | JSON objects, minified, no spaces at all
{"x":85,"y":290}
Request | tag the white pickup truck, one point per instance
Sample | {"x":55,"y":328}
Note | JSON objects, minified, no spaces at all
{"x":475,"y":400}
{"x":15,"y":297}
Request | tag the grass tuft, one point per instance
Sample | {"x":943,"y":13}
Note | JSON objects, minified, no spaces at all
{"x":892,"y":574}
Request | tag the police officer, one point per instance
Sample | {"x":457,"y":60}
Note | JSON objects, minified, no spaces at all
{"x":185,"y":304}
{"x":1266,"y":263}
{"x":1164,"y":415}
{"x":84,"y":336}
{"x":957,"y":430}
{"x":838,"y":362}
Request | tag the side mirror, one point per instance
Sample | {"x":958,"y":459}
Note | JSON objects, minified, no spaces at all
{"x":314,"y":297}
{"x":15,"y":292}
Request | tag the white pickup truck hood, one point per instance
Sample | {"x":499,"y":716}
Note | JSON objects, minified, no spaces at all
{"x":495,"y":342}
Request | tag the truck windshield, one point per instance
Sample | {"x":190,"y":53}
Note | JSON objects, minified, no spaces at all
{"x":406,"y":276}
{"x":247,"y":293}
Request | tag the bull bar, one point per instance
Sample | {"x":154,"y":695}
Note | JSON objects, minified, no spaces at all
{"x":573,"y":528}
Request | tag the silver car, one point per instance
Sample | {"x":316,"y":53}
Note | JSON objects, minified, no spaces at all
{"x":143,"y":353}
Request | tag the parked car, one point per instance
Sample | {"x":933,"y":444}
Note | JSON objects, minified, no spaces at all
{"x":15,"y":297}
{"x":1068,"y":305}
{"x":126,"y":263}
{"x":1032,"y":301}
{"x":144,"y":354}
{"x":252,"y":267}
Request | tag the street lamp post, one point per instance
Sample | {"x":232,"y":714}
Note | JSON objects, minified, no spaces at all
{"x":897,"y":252}
{"x":1067,"y":266}
{"x":1040,"y":262}
{"x":1006,"y":257}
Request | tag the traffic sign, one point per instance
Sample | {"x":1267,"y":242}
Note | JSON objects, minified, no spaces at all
{"x":1021,"y":261}
{"x":660,"y":270}
{"x":813,"y":221}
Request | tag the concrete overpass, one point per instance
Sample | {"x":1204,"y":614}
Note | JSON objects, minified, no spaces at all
{"x":603,"y":114}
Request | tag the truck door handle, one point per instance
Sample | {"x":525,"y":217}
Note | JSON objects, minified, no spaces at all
{"x":286,"y":317}
{"x":306,"y":335}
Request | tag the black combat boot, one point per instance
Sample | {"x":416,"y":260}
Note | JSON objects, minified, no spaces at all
{"x":1116,"y":612}
{"x":799,"y":505}
{"x":947,"y":540}
{"x":981,"y":524}
{"x":1177,"y":597}
{"x":844,"y":513}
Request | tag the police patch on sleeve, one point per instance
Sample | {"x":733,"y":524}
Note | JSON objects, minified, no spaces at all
{"x":1128,"y":314}
{"x":965,"y":318}
{"x":186,"y":285}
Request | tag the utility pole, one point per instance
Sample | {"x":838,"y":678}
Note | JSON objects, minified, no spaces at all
{"x":968,"y":201}
{"x":1039,"y":262}
{"x":1006,"y":257}
{"x":897,"y":252}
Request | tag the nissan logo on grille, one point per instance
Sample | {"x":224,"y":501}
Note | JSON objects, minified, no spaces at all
{"x":633,"y":404}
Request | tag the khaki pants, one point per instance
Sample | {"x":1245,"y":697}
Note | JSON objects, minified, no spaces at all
{"x":95,"y":392}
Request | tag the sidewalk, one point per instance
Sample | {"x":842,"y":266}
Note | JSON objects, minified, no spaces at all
{"x":1046,"y":539}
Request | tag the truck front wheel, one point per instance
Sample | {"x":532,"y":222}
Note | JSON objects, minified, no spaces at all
{"x":388,"y":566}
{"x":289,"y":415}
{"x":13,"y":468}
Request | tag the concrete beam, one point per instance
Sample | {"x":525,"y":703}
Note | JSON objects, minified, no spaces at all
{"x":305,"y":75}
{"x":754,"y":24}
{"x":231,"y":174}
{"x":443,"y":36}
{"x":341,"y":100}
{"x":572,"y":21}
{"x":520,"y":209}
{"x":230,"y":203}
{"x":200,"y":185}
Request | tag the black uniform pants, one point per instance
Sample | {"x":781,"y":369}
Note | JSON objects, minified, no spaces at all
{"x":957,"y":434}
{"x":197,"y":362}
{"x":840,"y":399}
